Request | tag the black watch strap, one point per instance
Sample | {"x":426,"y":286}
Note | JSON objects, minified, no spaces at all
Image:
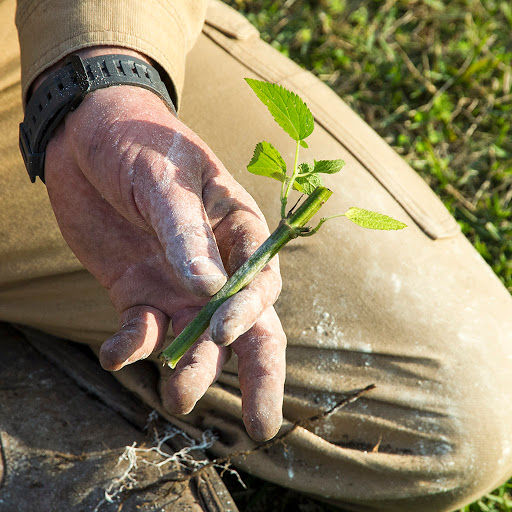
{"x":64,"y":90}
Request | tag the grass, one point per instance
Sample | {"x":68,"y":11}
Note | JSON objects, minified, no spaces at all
{"x":434,"y":79}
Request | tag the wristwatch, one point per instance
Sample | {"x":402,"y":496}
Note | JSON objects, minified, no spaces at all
{"x":64,"y":90}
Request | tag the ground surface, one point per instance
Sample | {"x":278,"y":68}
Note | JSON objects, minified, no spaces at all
{"x":434,"y":79}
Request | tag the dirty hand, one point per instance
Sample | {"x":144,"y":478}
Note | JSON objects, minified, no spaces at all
{"x":152,"y":213}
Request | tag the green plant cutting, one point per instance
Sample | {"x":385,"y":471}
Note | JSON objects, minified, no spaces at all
{"x":295,"y":118}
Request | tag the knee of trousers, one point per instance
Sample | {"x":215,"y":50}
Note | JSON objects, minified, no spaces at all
{"x":432,"y":436}
{"x":436,"y":433}
{"x":418,"y":312}
{"x":454,"y":459}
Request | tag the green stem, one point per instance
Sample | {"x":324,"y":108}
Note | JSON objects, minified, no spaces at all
{"x":287,"y":230}
{"x":284,"y":198}
{"x":322,"y":220}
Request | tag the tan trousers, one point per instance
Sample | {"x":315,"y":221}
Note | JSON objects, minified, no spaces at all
{"x":418,"y":313}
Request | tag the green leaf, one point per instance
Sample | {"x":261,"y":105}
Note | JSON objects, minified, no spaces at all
{"x":267,"y":161}
{"x":328,"y":166}
{"x":304,"y":144}
{"x":305,"y":168}
{"x":306,"y":184}
{"x":373,"y":220}
{"x":289,"y":111}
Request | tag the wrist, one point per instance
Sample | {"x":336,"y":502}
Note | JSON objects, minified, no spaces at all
{"x":61,"y":91}
{"x":84,"y":53}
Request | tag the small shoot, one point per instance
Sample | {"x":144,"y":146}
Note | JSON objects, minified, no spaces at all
{"x":295,"y":118}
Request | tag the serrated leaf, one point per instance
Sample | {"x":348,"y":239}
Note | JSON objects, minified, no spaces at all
{"x":267,"y":161}
{"x":305,"y":168}
{"x":306,"y":184}
{"x":328,"y":166}
{"x":373,"y":220}
{"x":289,"y":111}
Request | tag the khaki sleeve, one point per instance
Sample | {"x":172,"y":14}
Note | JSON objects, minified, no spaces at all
{"x":163,"y":30}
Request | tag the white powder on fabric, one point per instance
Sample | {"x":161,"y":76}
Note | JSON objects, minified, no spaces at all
{"x":327,"y":333}
{"x":287,"y":454}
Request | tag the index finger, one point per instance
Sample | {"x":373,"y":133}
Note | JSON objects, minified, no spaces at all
{"x":240,"y":229}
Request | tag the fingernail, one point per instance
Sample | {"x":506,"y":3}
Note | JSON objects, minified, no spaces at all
{"x":202,"y":266}
{"x":233,"y":330}
{"x":225,"y":333}
{"x":204,"y":275}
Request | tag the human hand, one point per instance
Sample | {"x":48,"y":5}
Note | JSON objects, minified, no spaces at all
{"x":152,"y":213}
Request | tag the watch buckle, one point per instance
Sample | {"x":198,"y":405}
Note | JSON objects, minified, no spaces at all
{"x":82,"y":80}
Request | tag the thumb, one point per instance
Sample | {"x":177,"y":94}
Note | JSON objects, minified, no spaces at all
{"x":176,"y":213}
